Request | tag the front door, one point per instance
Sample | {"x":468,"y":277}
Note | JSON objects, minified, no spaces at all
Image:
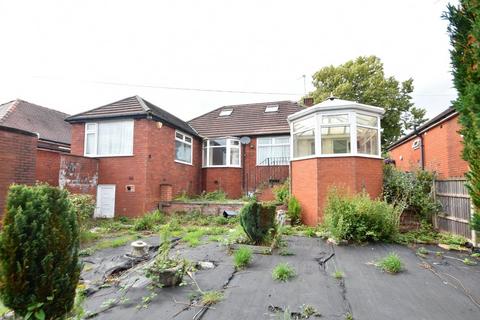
{"x":105,"y":201}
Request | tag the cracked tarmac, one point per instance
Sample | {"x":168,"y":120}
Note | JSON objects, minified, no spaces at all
{"x":429,"y":288}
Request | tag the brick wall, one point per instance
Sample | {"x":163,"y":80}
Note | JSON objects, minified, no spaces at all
{"x":313,"y":178}
{"x":226,"y":179}
{"x":48,"y":166}
{"x":78,"y":174}
{"x":442,"y":151}
{"x":17,"y":159}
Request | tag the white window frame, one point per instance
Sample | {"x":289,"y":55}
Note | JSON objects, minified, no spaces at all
{"x":273,"y":145}
{"x":183,"y":140}
{"x":352,"y":123}
{"x":228,"y":146}
{"x":95,"y":132}
{"x":225,"y":112}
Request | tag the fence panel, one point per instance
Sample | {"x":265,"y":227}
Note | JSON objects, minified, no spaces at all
{"x":456,"y":207}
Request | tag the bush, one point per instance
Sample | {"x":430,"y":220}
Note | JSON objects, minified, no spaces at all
{"x":257,"y":220}
{"x":39,"y":252}
{"x":282,"y":192}
{"x":411,"y":191}
{"x":149,"y":221}
{"x":294,"y":210}
{"x":83,"y":206}
{"x":242,"y":257}
{"x":358,"y":218}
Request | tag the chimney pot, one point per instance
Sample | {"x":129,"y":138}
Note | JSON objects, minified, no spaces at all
{"x":308,"y":102}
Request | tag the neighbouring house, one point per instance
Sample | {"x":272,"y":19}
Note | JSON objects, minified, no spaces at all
{"x":434,"y":146}
{"x":52,"y":131}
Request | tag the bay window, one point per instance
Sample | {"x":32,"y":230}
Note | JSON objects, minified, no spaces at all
{"x":367,"y":134}
{"x":304,"y":137}
{"x":223,"y":152}
{"x":273,"y":150}
{"x":109,"y":138}
{"x":183,"y":148}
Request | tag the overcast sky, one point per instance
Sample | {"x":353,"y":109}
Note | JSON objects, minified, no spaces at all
{"x":77,"y":55}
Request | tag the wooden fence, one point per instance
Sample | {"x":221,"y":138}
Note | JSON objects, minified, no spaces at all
{"x":456,"y":208}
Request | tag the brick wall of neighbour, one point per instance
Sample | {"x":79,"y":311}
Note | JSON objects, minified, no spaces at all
{"x":78,"y":174}
{"x":48,"y":166}
{"x":207,"y":208}
{"x":226,"y":179}
{"x":442,"y":151}
{"x":312,"y":179}
{"x":17,"y":160}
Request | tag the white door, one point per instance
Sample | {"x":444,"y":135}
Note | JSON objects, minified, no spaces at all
{"x":105,"y":201}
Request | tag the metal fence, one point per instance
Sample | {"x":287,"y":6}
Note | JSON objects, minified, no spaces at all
{"x":456,"y":207}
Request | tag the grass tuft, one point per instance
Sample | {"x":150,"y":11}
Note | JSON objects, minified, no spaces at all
{"x":242,"y":257}
{"x":338,"y":274}
{"x":283,"y":272}
{"x":391,"y":263}
{"x":211,"y":297}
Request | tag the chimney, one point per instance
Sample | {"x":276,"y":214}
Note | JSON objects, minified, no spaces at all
{"x":308,"y":102}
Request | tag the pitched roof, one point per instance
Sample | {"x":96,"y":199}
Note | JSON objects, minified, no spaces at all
{"x":132,"y":107}
{"x":48,"y":123}
{"x":424,"y":127}
{"x":246,"y":119}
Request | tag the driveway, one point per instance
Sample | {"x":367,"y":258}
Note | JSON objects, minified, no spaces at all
{"x":432,"y":287}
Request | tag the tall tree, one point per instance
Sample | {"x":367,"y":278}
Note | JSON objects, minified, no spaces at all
{"x":363,"y":80}
{"x":464,"y":31}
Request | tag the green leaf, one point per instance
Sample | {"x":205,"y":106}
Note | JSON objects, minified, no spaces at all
{"x":40,"y":315}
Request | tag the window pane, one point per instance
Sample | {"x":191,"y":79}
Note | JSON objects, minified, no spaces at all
{"x":367,"y":141}
{"x":266,"y":141}
{"x":282,"y":140}
{"x":115,"y":138}
{"x":335,"y":119}
{"x":218,"y":156}
{"x":183,"y":152}
{"x":304,"y":144}
{"x":234,"y":142}
{"x":90,"y":126}
{"x":90,"y":147}
{"x":179,"y":135}
{"x":188,"y":139}
{"x":218,"y":142}
{"x":304,"y":124}
{"x":364,"y":120}
{"x":235,"y":156}
{"x":336,"y":140}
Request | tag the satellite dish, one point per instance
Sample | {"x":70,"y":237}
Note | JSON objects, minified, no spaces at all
{"x":245,"y":140}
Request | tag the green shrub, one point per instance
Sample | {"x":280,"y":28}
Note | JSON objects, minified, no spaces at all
{"x":282,"y":192}
{"x":412,"y":191}
{"x":358,"y":218}
{"x":283,"y":272}
{"x":257,"y":220}
{"x":83,"y":206}
{"x":217,"y":195}
{"x":39,"y":246}
{"x":391,"y":263}
{"x":149,"y":221}
{"x":242,"y":257}
{"x":294,"y":210}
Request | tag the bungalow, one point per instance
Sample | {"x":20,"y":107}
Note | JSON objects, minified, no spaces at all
{"x":148,"y":156}
{"x":435,"y":146}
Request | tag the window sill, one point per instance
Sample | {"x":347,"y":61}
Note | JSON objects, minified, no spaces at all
{"x":183,"y":162}
{"x":338,"y":155}
{"x":107,"y":155}
{"x":273,"y":165}
{"x":209,"y":167}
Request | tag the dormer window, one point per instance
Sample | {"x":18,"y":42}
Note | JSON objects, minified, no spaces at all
{"x":226,"y":112}
{"x":272,"y":108}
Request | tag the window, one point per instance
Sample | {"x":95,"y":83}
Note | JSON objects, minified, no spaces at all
{"x":367,"y":135}
{"x":272,"y":108}
{"x":416,"y":144}
{"x":221,"y":153}
{"x":183,"y":148}
{"x":109,"y":138}
{"x":335,"y":139}
{"x":226,"y":112}
{"x":273,"y":151}
{"x":304,"y":137}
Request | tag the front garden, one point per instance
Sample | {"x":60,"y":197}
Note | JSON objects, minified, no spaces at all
{"x":262,"y":263}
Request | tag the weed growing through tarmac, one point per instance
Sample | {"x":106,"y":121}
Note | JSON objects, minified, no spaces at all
{"x":283,"y":272}
{"x":211,"y":297}
{"x":391,"y":263}
{"x":469,"y":262}
{"x":242,"y":257}
{"x":338,"y":274}
{"x":286,"y":252}
{"x":422,"y":252}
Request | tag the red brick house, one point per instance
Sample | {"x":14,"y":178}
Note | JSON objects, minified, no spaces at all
{"x":435,"y":146}
{"x":52,"y":131}
{"x":147,"y":156}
